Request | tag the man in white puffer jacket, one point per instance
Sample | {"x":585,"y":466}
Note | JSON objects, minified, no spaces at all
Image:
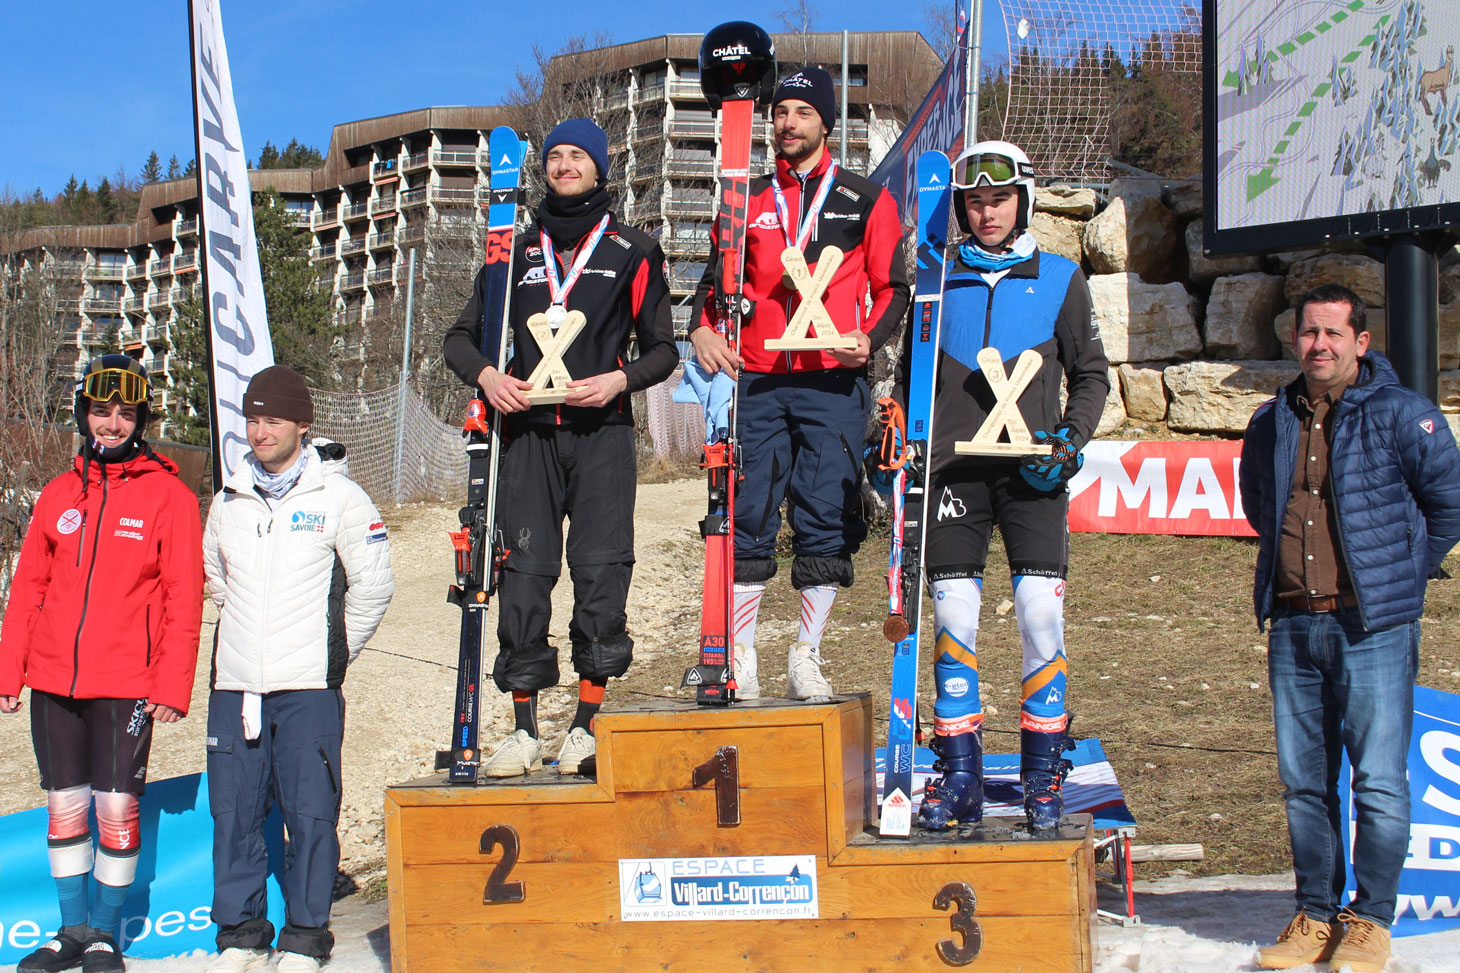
{"x":298,"y":564}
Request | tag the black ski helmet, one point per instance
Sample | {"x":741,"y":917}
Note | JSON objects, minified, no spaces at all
{"x":109,"y":377}
{"x":737,"y":60}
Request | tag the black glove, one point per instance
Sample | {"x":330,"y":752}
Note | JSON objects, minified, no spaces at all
{"x":1049,"y":473}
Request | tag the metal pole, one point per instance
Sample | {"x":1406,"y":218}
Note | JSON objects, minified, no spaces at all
{"x":970,"y":90}
{"x":845,"y":72}
{"x":1412,"y":299}
{"x":405,"y":375}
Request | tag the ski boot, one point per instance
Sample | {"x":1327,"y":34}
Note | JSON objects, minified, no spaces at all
{"x":1042,"y":770}
{"x":957,"y":795}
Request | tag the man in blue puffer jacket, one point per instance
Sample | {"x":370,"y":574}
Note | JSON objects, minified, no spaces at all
{"x":1352,"y":483}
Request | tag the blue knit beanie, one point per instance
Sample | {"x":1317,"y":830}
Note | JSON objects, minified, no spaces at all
{"x":812,"y":85}
{"x":584,"y":134}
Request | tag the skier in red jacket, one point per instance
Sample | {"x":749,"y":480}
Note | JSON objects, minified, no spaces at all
{"x":102,"y":625}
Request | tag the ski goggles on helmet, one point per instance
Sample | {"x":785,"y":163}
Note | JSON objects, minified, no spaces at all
{"x":107,"y":383}
{"x":989,"y":169}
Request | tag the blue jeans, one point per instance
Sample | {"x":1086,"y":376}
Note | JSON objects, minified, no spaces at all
{"x":1335,"y":685}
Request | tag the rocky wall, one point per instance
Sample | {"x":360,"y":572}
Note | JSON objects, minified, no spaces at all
{"x":1198,"y":342}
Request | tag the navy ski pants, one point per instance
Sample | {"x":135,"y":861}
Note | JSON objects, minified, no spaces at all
{"x":296,"y":763}
{"x":801,"y":436}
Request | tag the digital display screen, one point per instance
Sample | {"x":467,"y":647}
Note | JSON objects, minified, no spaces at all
{"x":1329,"y":119}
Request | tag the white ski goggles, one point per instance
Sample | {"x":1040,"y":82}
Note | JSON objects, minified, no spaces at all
{"x":989,"y":169}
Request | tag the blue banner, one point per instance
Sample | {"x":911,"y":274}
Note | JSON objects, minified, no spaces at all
{"x":937,"y":126}
{"x":169,"y":909}
{"x":1429,"y":886}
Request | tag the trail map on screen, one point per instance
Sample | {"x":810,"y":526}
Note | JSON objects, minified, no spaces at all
{"x":1329,"y":110}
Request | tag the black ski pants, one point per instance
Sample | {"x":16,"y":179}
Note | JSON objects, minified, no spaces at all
{"x":589,"y":477}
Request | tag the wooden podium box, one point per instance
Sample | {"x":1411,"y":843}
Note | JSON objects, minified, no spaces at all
{"x":526,"y":873}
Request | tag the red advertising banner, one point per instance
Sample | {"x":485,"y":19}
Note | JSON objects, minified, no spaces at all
{"x":1173,"y":487}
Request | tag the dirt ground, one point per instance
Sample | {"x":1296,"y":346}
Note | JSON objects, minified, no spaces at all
{"x":1166,"y":667}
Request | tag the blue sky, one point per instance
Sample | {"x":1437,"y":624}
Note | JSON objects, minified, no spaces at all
{"x":91,"y":85}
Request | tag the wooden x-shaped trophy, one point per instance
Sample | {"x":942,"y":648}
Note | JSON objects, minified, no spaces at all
{"x":811,"y":313}
{"x":549,"y":380}
{"x":1005,"y":414}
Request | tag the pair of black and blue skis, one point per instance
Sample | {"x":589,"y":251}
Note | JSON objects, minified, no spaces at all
{"x":478,"y":544}
{"x":907,"y":448}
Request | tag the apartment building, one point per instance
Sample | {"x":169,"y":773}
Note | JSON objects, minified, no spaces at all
{"x":418,"y":179}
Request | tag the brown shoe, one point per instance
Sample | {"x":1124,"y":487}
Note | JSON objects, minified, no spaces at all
{"x":1363,"y":947}
{"x":1306,"y":940}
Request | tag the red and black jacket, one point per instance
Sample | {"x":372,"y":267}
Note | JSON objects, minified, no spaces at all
{"x":107,"y":598}
{"x":859,"y":218}
{"x":623,"y":292}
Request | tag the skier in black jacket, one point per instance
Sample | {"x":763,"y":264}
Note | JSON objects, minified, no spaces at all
{"x":576,"y":458}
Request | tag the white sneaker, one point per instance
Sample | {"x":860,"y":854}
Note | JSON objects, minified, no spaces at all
{"x":514,"y":756}
{"x":235,"y":959}
{"x":803,"y":675}
{"x":747,"y":682}
{"x":297,"y":963}
{"x":578,"y":746}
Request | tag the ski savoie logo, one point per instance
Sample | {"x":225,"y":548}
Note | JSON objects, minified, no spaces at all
{"x":1428,"y":425}
{"x":311,"y":521}
{"x":949,"y":506}
{"x":766,"y":221}
{"x":69,"y":522}
{"x":533,"y":275}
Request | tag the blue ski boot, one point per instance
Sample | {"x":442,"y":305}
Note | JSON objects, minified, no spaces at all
{"x":1042,"y":770}
{"x":957,"y":795}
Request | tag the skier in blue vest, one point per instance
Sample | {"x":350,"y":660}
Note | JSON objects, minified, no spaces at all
{"x":1003,"y":292}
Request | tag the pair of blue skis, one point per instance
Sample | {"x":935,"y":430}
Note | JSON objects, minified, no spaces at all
{"x":907,"y":448}
{"x":478,"y":545}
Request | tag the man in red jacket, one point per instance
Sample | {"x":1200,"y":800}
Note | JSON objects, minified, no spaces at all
{"x":102,"y":624}
{"x":802,"y":414}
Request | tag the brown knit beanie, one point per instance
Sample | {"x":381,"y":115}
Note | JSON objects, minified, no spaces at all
{"x":279,"y":392}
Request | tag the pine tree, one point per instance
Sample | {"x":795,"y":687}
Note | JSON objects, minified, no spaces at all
{"x":152,"y":169}
{"x":300,"y":303}
{"x":106,"y":205}
{"x":190,"y":171}
{"x":268,"y":157}
{"x":297,"y":155}
{"x":188,"y":415}
{"x":110,"y":343}
{"x":173,"y":169}
{"x":83,"y":204}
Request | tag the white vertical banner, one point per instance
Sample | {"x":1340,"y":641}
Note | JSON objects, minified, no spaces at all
{"x":238,"y":326}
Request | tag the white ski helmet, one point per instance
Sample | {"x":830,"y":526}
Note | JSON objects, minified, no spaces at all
{"x":994,"y":163}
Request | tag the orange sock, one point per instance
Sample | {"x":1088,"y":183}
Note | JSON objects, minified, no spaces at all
{"x":590,"y":698}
